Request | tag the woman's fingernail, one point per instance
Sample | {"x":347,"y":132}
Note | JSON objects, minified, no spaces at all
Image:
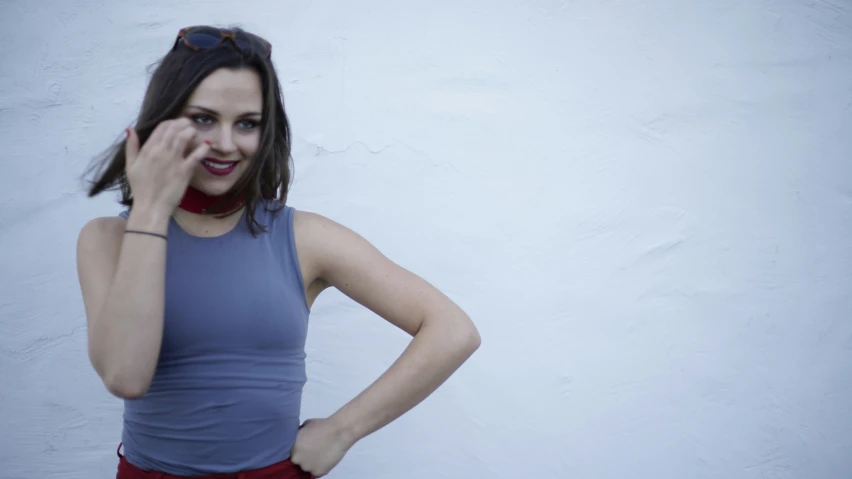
{"x":207,"y":142}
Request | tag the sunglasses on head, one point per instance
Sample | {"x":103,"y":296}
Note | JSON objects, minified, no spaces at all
{"x":204,"y":37}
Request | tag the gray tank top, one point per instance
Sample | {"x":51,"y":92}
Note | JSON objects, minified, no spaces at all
{"x":227,"y":391}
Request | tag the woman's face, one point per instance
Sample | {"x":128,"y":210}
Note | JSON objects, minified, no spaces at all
{"x":226,"y":111}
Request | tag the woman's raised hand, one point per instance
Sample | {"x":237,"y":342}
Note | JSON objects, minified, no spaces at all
{"x":160,"y":172}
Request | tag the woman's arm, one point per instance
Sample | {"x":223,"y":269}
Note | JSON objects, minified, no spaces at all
{"x":122,"y":279}
{"x":123,"y":274}
{"x":444,"y":336}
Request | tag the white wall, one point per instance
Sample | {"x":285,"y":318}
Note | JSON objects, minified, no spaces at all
{"x":645,"y":206}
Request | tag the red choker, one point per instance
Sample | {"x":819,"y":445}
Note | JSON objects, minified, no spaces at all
{"x":198,"y":202}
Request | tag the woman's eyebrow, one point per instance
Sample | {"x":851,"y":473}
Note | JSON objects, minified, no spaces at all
{"x":214,"y":112}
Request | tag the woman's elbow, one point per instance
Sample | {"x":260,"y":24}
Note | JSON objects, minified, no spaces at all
{"x":466,"y":336}
{"x":119,"y":384}
{"x":472,"y":339}
{"x":125,"y":388}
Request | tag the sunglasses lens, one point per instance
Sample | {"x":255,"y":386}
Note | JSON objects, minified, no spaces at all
{"x":203,"y":39}
{"x":244,"y":45}
{"x":253,"y":46}
{"x":207,"y":37}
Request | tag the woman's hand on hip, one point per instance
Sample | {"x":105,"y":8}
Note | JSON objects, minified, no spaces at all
{"x":319,"y":447}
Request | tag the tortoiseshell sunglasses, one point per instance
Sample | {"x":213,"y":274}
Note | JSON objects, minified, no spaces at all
{"x":202,"y":37}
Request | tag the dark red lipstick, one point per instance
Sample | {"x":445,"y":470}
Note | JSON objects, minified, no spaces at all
{"x":219,"y":167}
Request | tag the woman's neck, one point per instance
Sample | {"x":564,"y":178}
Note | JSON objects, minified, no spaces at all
{"x":193,"y":215}
{"x":198,"y":202}
{"x":206,"y":226}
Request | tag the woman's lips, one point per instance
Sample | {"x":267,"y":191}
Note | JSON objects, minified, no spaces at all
{"x":219,"y":167}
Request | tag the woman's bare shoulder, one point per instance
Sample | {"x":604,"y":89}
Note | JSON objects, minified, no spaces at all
{"x":103,"y":225}
{"x":315,"y":230}
{"x":101,"y":233}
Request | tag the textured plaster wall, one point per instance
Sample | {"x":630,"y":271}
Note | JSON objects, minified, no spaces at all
{"x":646,"y":206}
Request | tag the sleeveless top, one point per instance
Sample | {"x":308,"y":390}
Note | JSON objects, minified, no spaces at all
{"x":227,"y":391}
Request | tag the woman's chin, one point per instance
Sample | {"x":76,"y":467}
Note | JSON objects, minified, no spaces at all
{"x":212,"y":188}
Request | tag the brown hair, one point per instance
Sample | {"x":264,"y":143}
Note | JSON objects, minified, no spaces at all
{"x":174,"y":79}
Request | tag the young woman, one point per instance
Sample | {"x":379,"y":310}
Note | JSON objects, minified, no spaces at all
{"x":197,"y":296}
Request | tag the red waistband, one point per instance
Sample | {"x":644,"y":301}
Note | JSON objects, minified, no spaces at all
{"x":280,"y":470}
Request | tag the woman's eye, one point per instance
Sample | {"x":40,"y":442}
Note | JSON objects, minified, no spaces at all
{"x":203,"y":119}
{"x":207,"y":120}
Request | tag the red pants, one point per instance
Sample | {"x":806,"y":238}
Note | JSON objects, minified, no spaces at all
{"x":281,"y":470}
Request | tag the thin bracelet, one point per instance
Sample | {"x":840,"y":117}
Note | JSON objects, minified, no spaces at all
{"x":147,"y":233}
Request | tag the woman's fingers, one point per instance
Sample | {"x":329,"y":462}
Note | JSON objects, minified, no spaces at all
{"x":196,"y":156}
{"x":131,"y":148}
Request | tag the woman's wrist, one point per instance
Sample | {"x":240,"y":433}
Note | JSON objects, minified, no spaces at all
{"x":346,"y":431}
{"x":151,"y":219}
